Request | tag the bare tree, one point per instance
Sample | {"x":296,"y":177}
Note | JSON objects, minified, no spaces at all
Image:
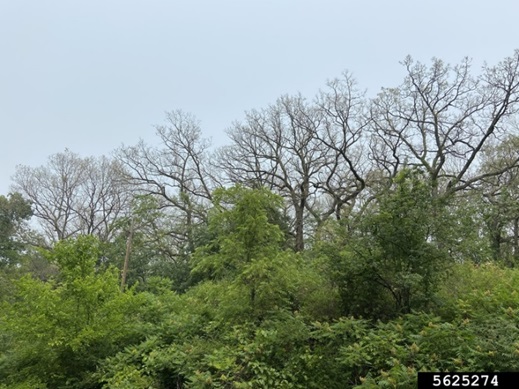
{"x":176,"y":172}
{"x":442,"y":117}
{"x":343,"y":133}
{"x":277,"y":148}
{"x":73,"y":195}
{"x":308,"y":152}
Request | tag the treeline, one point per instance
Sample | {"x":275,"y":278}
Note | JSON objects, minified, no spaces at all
{"x":341,"y":241}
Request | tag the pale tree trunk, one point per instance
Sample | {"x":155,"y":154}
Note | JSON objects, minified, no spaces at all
{"x":124,"y":272}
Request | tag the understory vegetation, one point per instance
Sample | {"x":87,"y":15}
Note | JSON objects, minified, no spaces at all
{"x":339,"y":243}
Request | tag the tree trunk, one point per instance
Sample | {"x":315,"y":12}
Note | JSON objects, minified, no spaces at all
{"x":127,"y":258}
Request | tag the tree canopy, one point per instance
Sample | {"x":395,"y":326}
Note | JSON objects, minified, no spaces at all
{"x":340,"y":241}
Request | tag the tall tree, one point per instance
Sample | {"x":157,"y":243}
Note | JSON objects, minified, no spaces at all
{"x":442,"y":117}
{"x":310,"y":153}
{"x":343,"y":133}
{"x":247,"y":247}
{"x":72,"y":195}
{"x":391,"y":256}
{"x":277,"y":148}
{"x":176,"y":173}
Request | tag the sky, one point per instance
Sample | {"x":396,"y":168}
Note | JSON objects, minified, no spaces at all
{"x":92,"y":75}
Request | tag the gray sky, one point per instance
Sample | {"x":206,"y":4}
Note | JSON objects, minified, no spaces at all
{"x":89,"y":75}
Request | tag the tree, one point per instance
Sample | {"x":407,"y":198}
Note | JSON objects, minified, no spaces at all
{"x":176,"y":173}
{"x":247,"y":246}
{"x":241,"y":325}
{"x":71,"y":195}
{"x":14,"y":211}
{"x":14,"y":214}
{"x":309,"y":153}
{"x":144,"y":241}
{"x":499,"y":199}
{"x":442,"y":117}
{"x":57,"y":332}
{"x":344,"y":135}
{"x":277,"y":148}
{"x":392,"y":256}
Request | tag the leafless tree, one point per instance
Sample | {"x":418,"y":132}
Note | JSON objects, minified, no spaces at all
{"x":343,"y":133}
{"x":442,"y":117}
{"x":277,"y":148}
{"x":176,"y":172}
{"x":72,"y":195}
{"x":308,"y":152}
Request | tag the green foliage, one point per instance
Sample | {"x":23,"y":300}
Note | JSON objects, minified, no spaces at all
{"x":246,"y":324}
{"x":265,"y":317}
{"x":474,"y":290}
{"x":399,"y":283}
{"x":499,"y":200}
{"x":154,"y":253}
{"x":247,"y":248}
{"x":462,"y":230}
{"x":195,"y":350}
{"x":393,"y":262}
{"x":58,"y":331}
{"x":14,"y":210}
{"x":242,"y":232}
{"x":76,"y":258}
{"x":390,"y":354}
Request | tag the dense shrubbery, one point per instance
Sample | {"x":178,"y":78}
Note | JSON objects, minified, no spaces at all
{"x":262,"y":316}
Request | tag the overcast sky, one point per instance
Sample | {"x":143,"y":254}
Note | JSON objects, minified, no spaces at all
{"x":89,"y":75}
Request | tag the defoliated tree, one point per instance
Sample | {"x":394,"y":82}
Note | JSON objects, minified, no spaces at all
{"x":343,"y":133}
{"x":277,"y":148}
{"x":442,"y":117}
{"x":307,"y":152}
{"x":72,"y":195}
{"x":176,"y":173}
